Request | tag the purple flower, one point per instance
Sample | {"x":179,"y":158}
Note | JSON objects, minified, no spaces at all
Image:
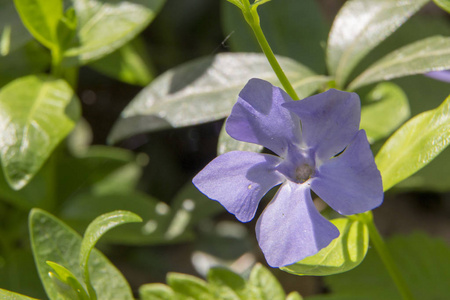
{"x":440,"y":75}
{"x":319,"y":147}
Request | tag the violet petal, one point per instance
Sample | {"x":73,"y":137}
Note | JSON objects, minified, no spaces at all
{"x":291,"y":228}
{"x":259,"y":118}
{"x":350,"y":183}
{"x":329,"y":121}
{"x":238,"y":180}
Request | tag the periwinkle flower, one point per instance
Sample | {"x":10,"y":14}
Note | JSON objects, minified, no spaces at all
{"x":440,"y":75}
{"x":319,"y":147}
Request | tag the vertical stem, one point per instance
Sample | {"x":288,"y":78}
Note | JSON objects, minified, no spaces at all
{"x":386,"y":257}
{"x":252,"y":18}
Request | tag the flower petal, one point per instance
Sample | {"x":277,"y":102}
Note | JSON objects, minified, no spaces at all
{"x":259,"y":118}
{"x":350,"y":183}
{"x":238,"y":180}
{"x":291,"y":228}
{"x":329,"y":121}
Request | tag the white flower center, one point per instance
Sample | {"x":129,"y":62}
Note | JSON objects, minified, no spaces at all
{"x":303,"y":173}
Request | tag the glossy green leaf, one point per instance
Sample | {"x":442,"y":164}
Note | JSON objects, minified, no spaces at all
{"x":130,"y":64}
{"x":420,"y":57}
{"x":41,"y":18}
{"x":414,"y":145}
{"x":226,"y":144}
{"x":66,"y":283}
{"x":190,"y":286}
{"x":385,"y":110}
{"x":360,"y":26}
{"x":156,"y":291}
{"x":444,"y":4}
{"x":94,"y":232}
{"x":287,"y":25}
{"x":342,"y":254}
{"x":8,"y":295}
{"x":52,"y":240}
{"x":264,"y":285}
{"x":204,"y":90}
{"x":36,"y":113}
{"x":424,"y":263}
{"x":105,"y":26}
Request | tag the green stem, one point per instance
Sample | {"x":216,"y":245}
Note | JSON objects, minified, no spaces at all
{"x":56,"y":61}
{"x":252,"y":18}
{"x":386,"y":257}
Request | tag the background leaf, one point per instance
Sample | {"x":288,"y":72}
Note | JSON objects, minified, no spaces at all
{"x":7,"y":295}
{"x":420,"y":57}
{"x":361,"y":25}
{"x":41,"y":18}
{"x":342,"y":254}
{"x":190,"y":286}
{"x":386,"y":108}
{"x":204,"y":90}
{"x":156,"y":291}
{"x":287,"y":25}
{"x":264,"y":285}
{"x":414,"y":145}
{"x":18,"y":35}
{"x":52,"y":240}
{"x":130,"y":64}
{"x":95,"y":38}
{"x":36,"y":113}
{"x":444,"y":4}
{"x":422,"y":260}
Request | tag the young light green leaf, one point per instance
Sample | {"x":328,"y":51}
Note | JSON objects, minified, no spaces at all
{"x":52,"y":240}
{"x":190,"y":286}
{"x":96,"y":19}
{"x":36,"y":113}
{"x":66,"y":283}
{"x":444,"y":4}
{"x":414,"y":145}
{"x":227,"y":284}
{"x":8,"y":295}
{"x":264,"y":285}
{"x":294,"y":296}
{"x":386,"y":109}
{"x":420,"y":57}
{"x":130,"y":64}
{"x":226,"y":144}
{"x":342,"y":254}
{"x":204,"y":90}
{"x":94,"y":232}
{"x":156,"y":291}
{"x":41,"y":18}
{"x":424,"y":262}
{"x":360,"y":26}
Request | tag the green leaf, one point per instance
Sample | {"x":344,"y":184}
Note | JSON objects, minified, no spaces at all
{"x":294,"y":296}
{"x":130,"y":64}
{"x":360,"y":26}
{"x":287,"y":25}
{"x":190,"y":286}
{"x":385,"y":110}
{"x":156,"y":291}
{"x":52,"y":240}
{"x":226,"y":144}
{"x":7,"y":295}
{"x":342,"y":254}
{"x":444,"y":4}
{"x":204,"y":90}
{"x":96,"y":19}
{"x":36,"y":113}
{"x":414,"y":145}
{"x":423,"y":261}
{"x":18,"y":35}
{"x":227,"y":284}
{"x":263,"y":285}
{"x":41,"y":18}
{"x":66,"y":283}
{"x":94,"y":232}
{"x":420,"y":57}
